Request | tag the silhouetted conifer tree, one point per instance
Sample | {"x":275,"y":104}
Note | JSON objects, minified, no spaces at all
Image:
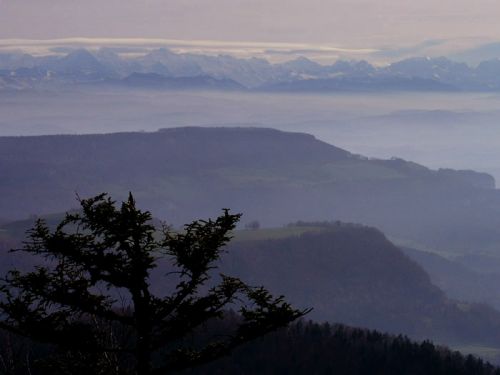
{"x":91,"y":297}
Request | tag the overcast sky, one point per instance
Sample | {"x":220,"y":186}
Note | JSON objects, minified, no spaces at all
{"x":342,"y":23}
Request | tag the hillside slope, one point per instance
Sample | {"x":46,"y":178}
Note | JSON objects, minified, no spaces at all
{"x":459,"y":278}
{"x":353,"y":275}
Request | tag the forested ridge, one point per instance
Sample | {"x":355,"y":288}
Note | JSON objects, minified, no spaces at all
{"x":312,"y":348}
{"x":303,"y":348}
{"x":185,"y":173}
{"x":353,"y":274}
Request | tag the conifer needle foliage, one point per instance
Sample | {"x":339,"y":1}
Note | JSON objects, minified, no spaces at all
{"x":91,"y":296}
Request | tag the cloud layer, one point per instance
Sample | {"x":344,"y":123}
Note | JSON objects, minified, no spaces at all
{"x":273,"y":51}
{"x":358,"y":23}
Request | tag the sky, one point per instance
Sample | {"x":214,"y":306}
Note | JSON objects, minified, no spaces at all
{"x":355,"y":25}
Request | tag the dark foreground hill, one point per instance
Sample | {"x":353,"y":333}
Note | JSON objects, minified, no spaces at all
{"x":309,"y":348}
{"x":271,"y":176}
{"x":303,"y":348}
{"x":347,"y":273}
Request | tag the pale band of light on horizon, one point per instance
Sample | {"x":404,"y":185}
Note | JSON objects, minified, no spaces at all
{"x":237,"y":48}
{"x":353,"y":23}
{"x":272,"y":51}
{"x":272,"y":28}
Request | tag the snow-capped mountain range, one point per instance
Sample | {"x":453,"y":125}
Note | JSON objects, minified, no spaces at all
{"x":164,"y":69}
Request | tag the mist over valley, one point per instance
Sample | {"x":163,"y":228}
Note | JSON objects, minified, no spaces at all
{"x":437,"y":130}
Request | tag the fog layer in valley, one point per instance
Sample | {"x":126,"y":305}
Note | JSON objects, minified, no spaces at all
{"x":454,"y":130}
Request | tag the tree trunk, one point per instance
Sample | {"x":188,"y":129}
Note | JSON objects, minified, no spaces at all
{"x":143,"y":357}
{"x":143,"y":326}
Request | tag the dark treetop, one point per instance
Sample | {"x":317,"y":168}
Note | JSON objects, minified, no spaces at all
{"x":91,"y":294}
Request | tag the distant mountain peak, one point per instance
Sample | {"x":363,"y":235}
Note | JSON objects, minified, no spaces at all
{"x":79,"y":56}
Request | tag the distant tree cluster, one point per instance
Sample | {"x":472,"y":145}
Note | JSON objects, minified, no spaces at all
{"x":252,"y":225}
{"x":324,"y":224}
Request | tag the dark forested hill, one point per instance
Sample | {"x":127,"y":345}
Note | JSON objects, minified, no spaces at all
{"x":271,"y":176}
{"x":309,"y":348}
{"x":347,"y":273}
{"x":303,"y":348}
{"x":354,"y":275}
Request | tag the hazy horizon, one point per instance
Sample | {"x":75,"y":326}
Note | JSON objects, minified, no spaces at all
{"x":327,"y":31}
{"x":351,"y":22}
{"x":437,"y":130}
